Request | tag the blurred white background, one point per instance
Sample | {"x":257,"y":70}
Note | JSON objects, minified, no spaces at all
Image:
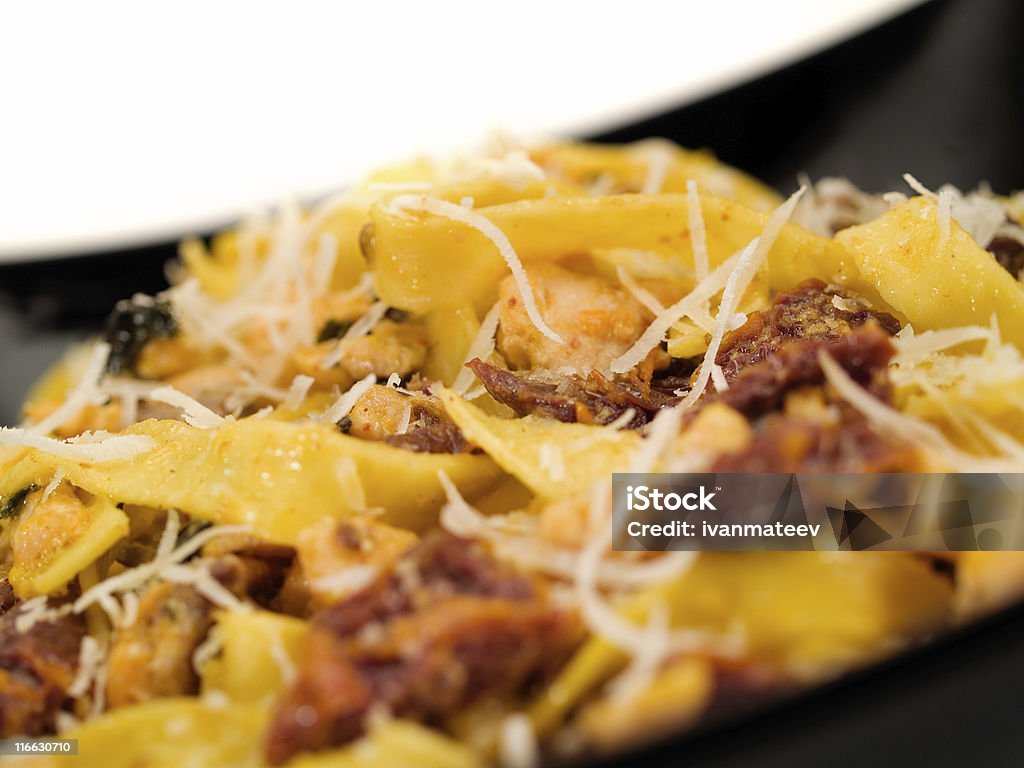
{"x":127,"y":123}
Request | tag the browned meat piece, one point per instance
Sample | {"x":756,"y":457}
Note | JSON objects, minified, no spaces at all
{"x":1009,"y":252}
{"x":447,"y":626}
{"x":153,"y":657}
{"x":761,"y":387}
{"x":784,"y":443}
{"x":7,"y":598}
{"x":773,"y":352}
{"x":250,"y":567}
{"x":36,"y":668}
{"x":379,"y":413}
{"x":431,"y":431}
{"x":805,"y":312}
{"x":815,"y":439}
{"x":590,"y":400}
{"x":439,"y":565}
{"x":333,"y":546}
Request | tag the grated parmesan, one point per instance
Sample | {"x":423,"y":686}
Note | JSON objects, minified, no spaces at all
{"x":481,"y":347}
{"x":658,"y":157}
{"x":344,"y":404}
{"x":944,"y":217}
{"x":552,"y":460}
{"x":606,"y":622}
{"x":698,"y":235}
{"x":638,"y":292}
{"x":86,"y":393}
{"x":749,"y":262}
{"x":138,"y":576}
{"x":688,"y":306}
{"x":403,"y":423}
{"x":345,"y":581}
{"x":918,"y":187}
{"x":285,"y":666}
{"x":207,"y":650}
{"x":193,"y":412}
{"x":891,"y":420}
{"x":57,"y":479}
{"x":197,"y":575}
{"x":297,"y":392}
{"x":82,"y":448}
{"x":660,"y":433}
{"x":517,"y":742}
{"x":622,"y":420}
{"x":917,"y":348}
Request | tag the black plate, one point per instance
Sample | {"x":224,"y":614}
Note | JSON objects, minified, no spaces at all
{"x":938,"y":92}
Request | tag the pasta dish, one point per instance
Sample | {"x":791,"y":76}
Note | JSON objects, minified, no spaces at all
{"x":341,"y":495}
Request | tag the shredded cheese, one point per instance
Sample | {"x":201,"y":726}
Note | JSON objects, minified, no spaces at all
{"x":622,"y":420}
{"x":192,"y":411}
{"x":138,"y":576}
{"x":747,"y":265}
{"x":207,"y":650}
{"x":506,"y":164}
{"x":891,"y":420}
{"x":552,"y":460}
{"x":607,"y":622}
{"x":659,"y":160}
{"x":285,"y":666}
{"x":106,"y":448}
{"x":323,"y":265}
{"x":481,"y":347}
{"x":517,"y":743}
{"x":688,"y":306}
{"x":698,"y":235}
{"x":660,"y":433}
{"x":638,"y":292}
{"x":129,"y":392}
{"x":919,"y":347}
{"x":344,"y":404}
{"x":297,"y":392}
{"x":345,"y":581}
{"x":197,"y":574}
{"x":86,"y":393}
{"x":129,"y":609}
{"x":645,"y":665}
{"x":403,"y":423}
{"x":457,"y":516}
{"x":36,"y":610}
{"x":944,"y":217}
{"x":918,"y":187}
{"x":57,"y":479}
{"x":498,"y":238}
{"x":846,"y":305}
{"x":99,"y":687}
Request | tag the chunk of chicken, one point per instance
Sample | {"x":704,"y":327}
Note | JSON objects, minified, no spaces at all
{"x":597,"y":320}
{"x":334,"y":555}
{"x":152,"y":658}
{"x":48,"y":526}
{"x":389,"y":348}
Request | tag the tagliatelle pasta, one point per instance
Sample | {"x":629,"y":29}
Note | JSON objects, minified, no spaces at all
{"x":341,"y":494}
